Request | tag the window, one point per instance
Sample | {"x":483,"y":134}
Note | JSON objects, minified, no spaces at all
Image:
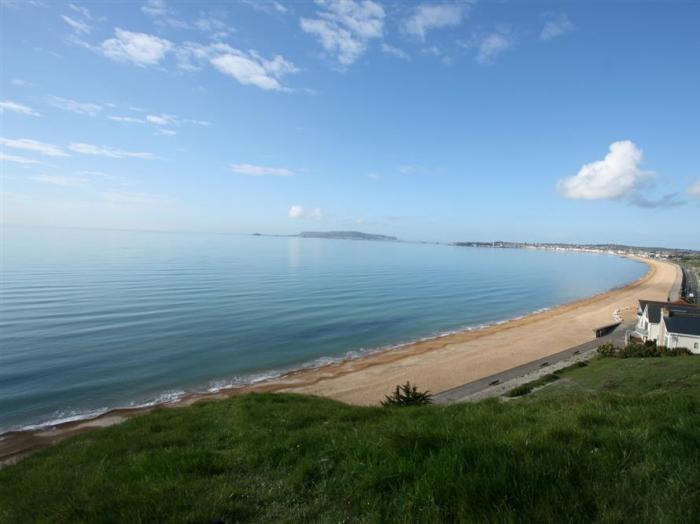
{"x":695,"y":346}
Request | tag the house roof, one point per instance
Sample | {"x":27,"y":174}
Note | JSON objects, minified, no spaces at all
{"x":683,"y":324}
{"x":655,"y":309}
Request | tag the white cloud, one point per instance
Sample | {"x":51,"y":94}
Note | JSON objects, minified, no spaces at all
{"x":140,"y":49}
{"x":344,"y":27}
{"x":29,"y":144}
{"x":16,"y":159}
{"x":617,"y":175}
{"x":83,"y":11}
{"x":16,"y":4}
{"x":203,"y":123}
{"x":248,"y":68}
{"x":267,"y":6}
{"x":63,"y":181}
{"x":155,"y":8}
{"x":492,"y":45}
{"x":109,"y":152}
{"x":147,"y":199}
{"x":373,"y":176}
{"x":17,"y":108}
{"x":299,"y":212}
{"x":395,"y":51}
{"x":163,"y":15}
{"x":360,"y":221}
{"x":695,"y":189}
{"x":82,"y":108}
{"x":426,"y":17}
{"x":78,"y":25}
{"x":21,"y":83}
{"x":296,"y":212}
{"x":252,"y":69}
{"x":252,"y":170}
{"x":161,"y":120}
{"x":213,"y":25}
{"x":556,"y":25}
{"x":127,"y":119}
{"x":408,"y":169}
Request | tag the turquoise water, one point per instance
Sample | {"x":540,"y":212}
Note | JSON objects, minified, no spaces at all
{"x":92,"y":320}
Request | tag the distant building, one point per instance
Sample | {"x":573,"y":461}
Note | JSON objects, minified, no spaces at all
{"x":668,"y":324}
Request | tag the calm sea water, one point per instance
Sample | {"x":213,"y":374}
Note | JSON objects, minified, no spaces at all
{"x":91,"y":320}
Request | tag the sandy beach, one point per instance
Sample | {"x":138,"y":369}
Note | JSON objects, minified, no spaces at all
{"x":447,"y":362}
{"x":437,"y":364}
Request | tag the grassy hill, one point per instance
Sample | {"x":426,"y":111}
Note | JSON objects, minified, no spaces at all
{"x":616,"y":441}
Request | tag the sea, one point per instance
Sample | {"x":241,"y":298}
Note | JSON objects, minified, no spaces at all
{"x":92,"y":320}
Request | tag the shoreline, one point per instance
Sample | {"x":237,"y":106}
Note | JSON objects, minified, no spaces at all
{"x":330,"y":380}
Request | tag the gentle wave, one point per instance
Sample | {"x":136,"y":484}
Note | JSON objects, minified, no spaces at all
{"x":94,"y":320}
{"x":171,"y":397}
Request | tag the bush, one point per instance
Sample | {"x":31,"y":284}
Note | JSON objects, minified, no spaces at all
{"x":639,"y":350}
{"x":524,"y":389}
{"x":607,"y":350}
{"x":408,"y":395}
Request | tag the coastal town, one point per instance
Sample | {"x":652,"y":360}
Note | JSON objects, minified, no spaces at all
{"x":687,"y":259}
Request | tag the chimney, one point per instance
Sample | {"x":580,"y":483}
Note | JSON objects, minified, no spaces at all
{"x":665,"y":312}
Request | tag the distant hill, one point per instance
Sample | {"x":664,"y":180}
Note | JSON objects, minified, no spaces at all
{"x":344,"y":235}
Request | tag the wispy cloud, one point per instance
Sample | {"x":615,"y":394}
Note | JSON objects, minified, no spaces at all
{"x":78,"y":25}
{"x":155,"y":8}
{"x":16,"y":4}
{"x":395,"y":51}
{"x":57,"y":180}
{"x":555,"y":25}
{"x":298,"y":212}
{"x":20,"y":82}
{"x":668,"y":200}
{"x":211,"y":23}
{"x":344,"y":27}
{"x":409,"y":169}
{"x":695,"y":189}
{"x":248,"y":68}
{"x":16,"y":159}
{"x":81,"y":10}
{"x":492,"y":45}
{"x":132,"y":198}
{"x":427,"y":17}
{"x":109,"y":152}
{"x":267,"y":6}
{"x":253,"y":170}
{"x":127,"y":119}
{"x":161,"y":120}
{"x":139,"y":49}
{"x":29,"y":144}
{"x":9,"y":105}
{"x":82,"y":108}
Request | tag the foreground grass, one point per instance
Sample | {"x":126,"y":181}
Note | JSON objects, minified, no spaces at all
{"x":616,"y":441}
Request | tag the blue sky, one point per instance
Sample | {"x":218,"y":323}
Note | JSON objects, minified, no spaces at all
{"x":567,"y":121}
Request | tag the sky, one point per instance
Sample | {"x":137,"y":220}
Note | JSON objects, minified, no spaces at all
{"x":440,"y":121}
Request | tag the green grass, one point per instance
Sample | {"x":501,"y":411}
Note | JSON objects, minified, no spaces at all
{"x":617,"y":441}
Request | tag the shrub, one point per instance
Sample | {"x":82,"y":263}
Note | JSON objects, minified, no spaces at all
{"x":607,"y":350}
{"x":408,"y":395}
{"x":641,"y":350}
{"x":524,"y":389}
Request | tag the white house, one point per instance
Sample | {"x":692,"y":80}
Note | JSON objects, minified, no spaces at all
{"x":679,"y":330}
{"x":668,"y":324}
